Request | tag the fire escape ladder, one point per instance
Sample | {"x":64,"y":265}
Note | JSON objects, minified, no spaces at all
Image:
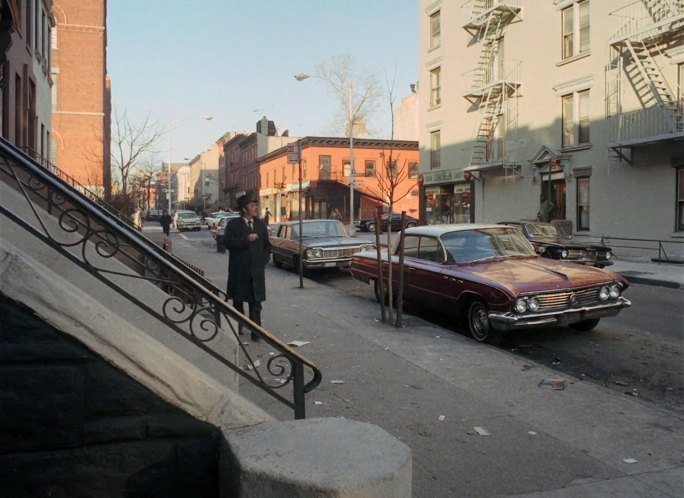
{"x":651,"y":74}
{"x":490,"y":108}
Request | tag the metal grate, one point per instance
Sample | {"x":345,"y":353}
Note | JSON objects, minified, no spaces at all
{"x":562,"y":300}
{"x":340,"y":252}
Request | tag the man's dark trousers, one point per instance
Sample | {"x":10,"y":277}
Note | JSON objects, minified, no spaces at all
{"x":254,"y":314}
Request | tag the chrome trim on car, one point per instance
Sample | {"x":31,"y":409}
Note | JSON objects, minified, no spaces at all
{"x":510,"y":320}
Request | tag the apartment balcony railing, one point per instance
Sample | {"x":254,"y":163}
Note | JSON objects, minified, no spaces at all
{"x":642,"y":24}
{"x":647,"y":125}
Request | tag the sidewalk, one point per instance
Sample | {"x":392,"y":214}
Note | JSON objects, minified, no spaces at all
{"x":643,"y":271}
{"x":432,"y":388}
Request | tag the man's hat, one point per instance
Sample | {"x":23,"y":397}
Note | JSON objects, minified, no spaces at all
{"x":243,"y":201}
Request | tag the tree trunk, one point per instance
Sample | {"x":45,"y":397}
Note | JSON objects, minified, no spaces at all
{"x":390,"y":311}
{"x":381,"y":285}
{"x":400,"y":289}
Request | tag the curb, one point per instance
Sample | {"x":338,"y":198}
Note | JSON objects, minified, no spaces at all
{"x":654,"y":282}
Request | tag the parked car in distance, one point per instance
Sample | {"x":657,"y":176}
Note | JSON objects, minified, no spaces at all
{"x":550,"y":242}
{"x":218,"y":231}
{"x":187,"y":220}
{"x":492,"y":276}
{"x":325,"y":244}
{"x":395,"y":219}
{"x":216,"y":217}
{"x":153,"y":214}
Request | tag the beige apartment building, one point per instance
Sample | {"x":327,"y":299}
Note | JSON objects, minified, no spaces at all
{"x":579,"y":101}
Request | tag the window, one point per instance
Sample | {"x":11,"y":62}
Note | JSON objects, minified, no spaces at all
{"x":346,"y":167}
{"x":435,"y":87}
{"x":680,"y":199}
{"x":576,"y":32}
{"x":410,"y":246}
{"x":435,"y":150}
{"x":29,"y":23}
{"x":370,"y":168}
{"x":435,"y":29}
{"x":392,"y":169}
{"x":576,"y":118}
{"x":583,"y":203}
{"x":430,"y":250}
{"x":413,"y":170}
{"x":325,"y":167}
{"x":18,"y":111}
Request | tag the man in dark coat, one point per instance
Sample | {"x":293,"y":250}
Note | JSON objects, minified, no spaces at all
{"x":165,"y":222}
{"x":246,"y":239}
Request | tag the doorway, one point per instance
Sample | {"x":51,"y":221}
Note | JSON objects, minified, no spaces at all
{"x":554,"y":190}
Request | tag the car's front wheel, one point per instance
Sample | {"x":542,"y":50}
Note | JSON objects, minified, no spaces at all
{"x":370,"y":227}
{"x":586,"y":325}
{"x":479,"y":326}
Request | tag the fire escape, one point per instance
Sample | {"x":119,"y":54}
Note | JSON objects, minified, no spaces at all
{"x":637,"y":47}
{"x":495,"y":83}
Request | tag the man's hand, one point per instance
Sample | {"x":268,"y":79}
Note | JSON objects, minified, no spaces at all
{"x":252,"y":237}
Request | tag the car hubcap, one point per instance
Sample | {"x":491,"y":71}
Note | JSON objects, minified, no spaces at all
{"x":479,"y":322}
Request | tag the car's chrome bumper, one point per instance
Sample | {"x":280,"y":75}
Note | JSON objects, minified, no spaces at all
{"x":315,"y":264}
{"x":510,"y":321}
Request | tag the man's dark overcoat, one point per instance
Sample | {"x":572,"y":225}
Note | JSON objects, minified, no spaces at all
{"x":247,"y":260}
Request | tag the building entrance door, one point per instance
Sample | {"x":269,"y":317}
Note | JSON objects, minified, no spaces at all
{"x":554,"y":190}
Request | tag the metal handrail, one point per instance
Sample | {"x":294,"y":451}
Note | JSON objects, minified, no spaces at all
{"x":605,"y":241}
{"x":194,"y":308}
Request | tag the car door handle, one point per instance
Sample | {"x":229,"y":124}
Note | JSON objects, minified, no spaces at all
{"x":410,"y":268}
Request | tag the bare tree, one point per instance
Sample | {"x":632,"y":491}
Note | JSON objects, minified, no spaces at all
{"x":131,"y":143}
{"x":392,"y":187}
{"x":346,"y":83}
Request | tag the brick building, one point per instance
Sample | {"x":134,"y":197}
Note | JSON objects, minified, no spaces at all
{"x":82,"y":92}
{"x":25,"y":54}
{"x":325,"y":172}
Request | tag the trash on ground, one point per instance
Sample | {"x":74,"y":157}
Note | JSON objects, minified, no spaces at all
{"x":252,"y":366}
{"x":441,"y":418}
{"x":555,"y":384}
{"x":620,"y":383}
{"x":632,"y":393}
{"x":630,"y":460}
{"x":298,"y":344}
{"x":438,"y":337}
{"x":271,"y":353}
{"x":318,"y":402}
{"x":337,"y":382}
{"x":482,"y":431}
{"x":525,"y":368}
{"x":532,"y":433}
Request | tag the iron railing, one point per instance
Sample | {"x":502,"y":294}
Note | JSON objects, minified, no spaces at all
{"x":647,"y":125}
{"x":73,"y":182}
{"x":647,"y":245}
{"x":91,"y":237}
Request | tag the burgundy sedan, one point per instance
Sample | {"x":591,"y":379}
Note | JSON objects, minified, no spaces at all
{"x":492,"y":276}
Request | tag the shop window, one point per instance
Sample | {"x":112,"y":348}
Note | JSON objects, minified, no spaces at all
{"x":435,"y":87}
{"x":370,"y":168}
{"x":435,"y":150}
{"x":436,"y":29}
{"x":576,"y":29}
{"x":680,"y":199}
{"x":576,"y":118}
{"x":583,"y":202}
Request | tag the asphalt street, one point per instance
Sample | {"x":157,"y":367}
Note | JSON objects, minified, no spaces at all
{"x":405,"y":380}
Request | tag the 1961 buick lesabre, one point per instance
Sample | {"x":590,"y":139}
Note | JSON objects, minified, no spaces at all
{"x":325,"y":244}
{"x":492,"y":276}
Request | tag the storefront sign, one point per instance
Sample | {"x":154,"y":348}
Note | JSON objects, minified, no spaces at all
{"x":444,"y":176}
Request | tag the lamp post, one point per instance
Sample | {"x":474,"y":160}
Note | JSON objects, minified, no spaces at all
{"x":350,"y":126}
{"x":173,"y":126}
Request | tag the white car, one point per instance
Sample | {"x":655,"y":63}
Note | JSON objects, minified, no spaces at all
{"x":187,"y":220}
{"x":216,"y":217}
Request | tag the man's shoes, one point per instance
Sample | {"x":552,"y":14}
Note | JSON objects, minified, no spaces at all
{"x":255,"y":338}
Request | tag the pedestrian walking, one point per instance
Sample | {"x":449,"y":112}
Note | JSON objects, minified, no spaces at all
{"x":165,"y":222}
{"x":246,"y":239}
{"x":267,"y":216}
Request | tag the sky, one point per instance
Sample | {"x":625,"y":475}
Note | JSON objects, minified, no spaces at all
{"x":235,"y":60}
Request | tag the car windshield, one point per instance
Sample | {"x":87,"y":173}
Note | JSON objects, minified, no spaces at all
{"x":187,"y":215}
{"x":466,"y":246}
{"x":319,"y":229}
{"x":541,"y":230}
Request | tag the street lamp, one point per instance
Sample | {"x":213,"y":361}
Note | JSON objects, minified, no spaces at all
{"x":304,"y":76}
{"x":172,"y":126}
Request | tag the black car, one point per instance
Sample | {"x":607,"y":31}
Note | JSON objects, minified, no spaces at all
{"x":549,"y":242}
{"x":325,"y":244}
{"x":369,"y":225}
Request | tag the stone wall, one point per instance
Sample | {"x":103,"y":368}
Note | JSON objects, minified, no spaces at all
{"x":72,"y":425}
